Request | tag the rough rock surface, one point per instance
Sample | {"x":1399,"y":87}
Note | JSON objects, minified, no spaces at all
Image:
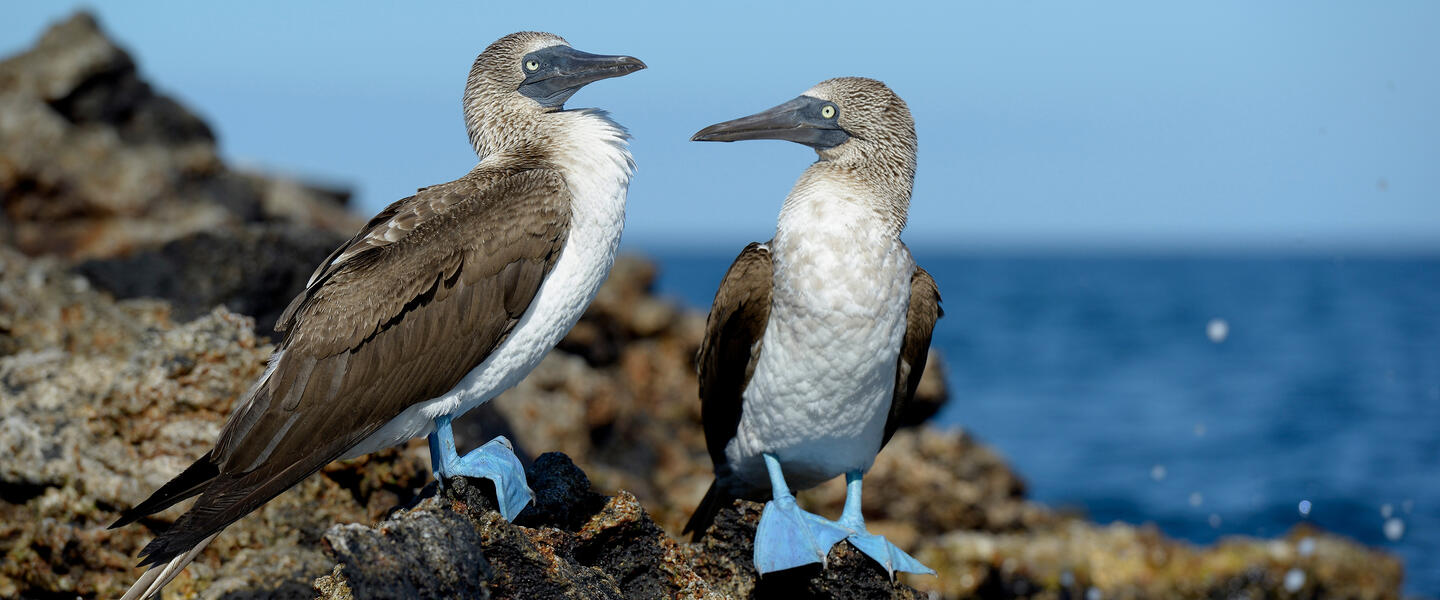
{"x":595,"y":547}
{"x":101,"y":401}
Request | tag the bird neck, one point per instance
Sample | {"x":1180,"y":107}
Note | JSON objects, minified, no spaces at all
{"x":502,"y":125}
{"x":849,"y":193}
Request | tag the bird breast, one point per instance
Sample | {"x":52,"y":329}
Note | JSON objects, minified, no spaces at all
{"x":822,"y":387}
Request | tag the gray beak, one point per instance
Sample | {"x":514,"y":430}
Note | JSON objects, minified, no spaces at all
{"x":561,"y":71}
{"x":800,"y":120}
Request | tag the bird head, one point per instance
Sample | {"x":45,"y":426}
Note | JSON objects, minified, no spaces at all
{"x":527,"y":74}
{"x":840,"y":118}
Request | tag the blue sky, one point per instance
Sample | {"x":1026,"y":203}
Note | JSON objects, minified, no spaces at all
{"x":1284,"y":126}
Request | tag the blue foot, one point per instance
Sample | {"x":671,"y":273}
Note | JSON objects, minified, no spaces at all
{"x":874,"y":546}
{"x":885,"y":553}
{"x":495,"y":461}
{"x":789,"y":537}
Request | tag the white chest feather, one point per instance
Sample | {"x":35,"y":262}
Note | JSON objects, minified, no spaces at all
{"x":823,"y":384}
{"x":597,"y":167}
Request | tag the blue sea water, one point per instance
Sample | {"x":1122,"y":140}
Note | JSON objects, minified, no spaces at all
{"x":1109,"y":384}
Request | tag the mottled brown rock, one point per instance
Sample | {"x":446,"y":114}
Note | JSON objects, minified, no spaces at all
{"x":1073,"y":557}
{"x":103,"y":402}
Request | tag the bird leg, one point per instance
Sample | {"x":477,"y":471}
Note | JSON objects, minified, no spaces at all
{"x":495,"y":461}
{"x":874,"y":546}
{"x":787,"y":536}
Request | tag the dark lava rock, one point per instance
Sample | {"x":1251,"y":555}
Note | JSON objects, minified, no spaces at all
{"x":252,"y":270}
{"x":563,"y":496}
{"x":573,"y":543}
{"x":416,"y":554}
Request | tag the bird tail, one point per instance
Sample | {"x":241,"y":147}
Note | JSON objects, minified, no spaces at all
{"x":188,"y":483}
{"x":154,"y":579}
{"x":715,"y":499}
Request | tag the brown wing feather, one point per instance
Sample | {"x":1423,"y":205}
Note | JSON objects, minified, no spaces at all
{"x":386,"y":324}
{"x":729,"y":350}
{"x":726,"y":361}
{"x":915,"y":347}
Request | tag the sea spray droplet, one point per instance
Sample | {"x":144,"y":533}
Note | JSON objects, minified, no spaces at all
{"x":1215,"y":521}
{"x":1387,"y":511}
{"x":1394,"y":529}
{"x":1199,"y":430}
{"x":1196,"y":499}
{"x":1217,"y":330}
{"x":1304,"y":508}
{"x":1294,"y":580}
{"x":1306,"y":547}
{"x":1157,"y":472}
{"x":1093,"y":594}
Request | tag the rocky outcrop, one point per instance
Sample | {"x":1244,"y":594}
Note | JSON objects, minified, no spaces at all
{"x":200,"y":271}
{"x":102,"y":402}
{"x":95,"y":163}
{"x":103,"y":399}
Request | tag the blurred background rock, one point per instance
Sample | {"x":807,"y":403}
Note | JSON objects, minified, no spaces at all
{"x":140,"y":277}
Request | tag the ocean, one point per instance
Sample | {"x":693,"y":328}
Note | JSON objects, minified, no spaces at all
{"x":1211,"y":396}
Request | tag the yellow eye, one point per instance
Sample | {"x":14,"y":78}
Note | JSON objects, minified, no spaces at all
{"x":531,"y":65}
{"x":828,"y":112}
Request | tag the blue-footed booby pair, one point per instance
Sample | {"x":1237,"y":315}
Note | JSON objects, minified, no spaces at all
{"x":817,"y":338}
{"x":441,"y":302}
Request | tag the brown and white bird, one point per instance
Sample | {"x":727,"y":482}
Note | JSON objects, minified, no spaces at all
{"x":817,"y":338}
{"x":438,"y":304}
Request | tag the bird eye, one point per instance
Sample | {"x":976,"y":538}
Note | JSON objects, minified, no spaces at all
{"x":531,"y":65}
{"x":827,"y":111}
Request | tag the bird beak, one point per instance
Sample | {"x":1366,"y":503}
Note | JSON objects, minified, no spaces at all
{"x":564,"y":70}
{"x":799,"y":120}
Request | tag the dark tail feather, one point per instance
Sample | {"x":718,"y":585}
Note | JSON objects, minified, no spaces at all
{"x":188,"y":483}
{"x":704,"y":516}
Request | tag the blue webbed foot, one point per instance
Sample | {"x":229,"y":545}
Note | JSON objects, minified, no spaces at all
{"x":495,"y":461}
{"x":874,"y":546}
{"x":787,"y":536}
{"x":885,"y":553}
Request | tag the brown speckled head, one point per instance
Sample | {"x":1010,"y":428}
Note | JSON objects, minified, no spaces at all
{"x":861,"y":129}
{"x":874,"y":116}
{"x":881,"y":148}
{"x":521,"y":78}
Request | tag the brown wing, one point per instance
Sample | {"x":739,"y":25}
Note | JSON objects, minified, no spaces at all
{"x":732,"y":345}
{"x":397,"y":316}
{"x":726,"y":361}
{"x":915,"y":347}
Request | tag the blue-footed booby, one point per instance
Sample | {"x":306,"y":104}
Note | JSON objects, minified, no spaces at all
{"x":441,"y":302}
{"x":817,"y":338}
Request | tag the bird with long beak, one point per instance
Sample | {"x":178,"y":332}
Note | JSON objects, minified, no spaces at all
{"x":817,"y":338}
{"x":441,"y":302}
